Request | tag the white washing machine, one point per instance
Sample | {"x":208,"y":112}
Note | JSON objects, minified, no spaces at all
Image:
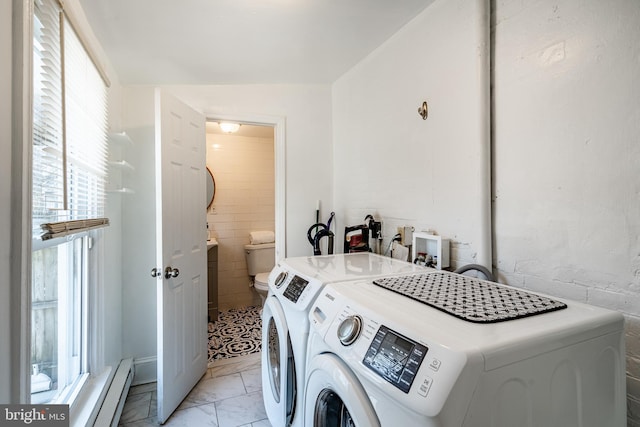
{"x":451,"y":351}
{"x":294,"y":285}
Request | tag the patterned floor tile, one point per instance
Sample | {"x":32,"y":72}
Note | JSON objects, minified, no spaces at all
{"x":237,"y":332}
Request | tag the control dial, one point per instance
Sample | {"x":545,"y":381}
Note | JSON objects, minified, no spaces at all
{"x":280,"y":279}
{"x":349,"y":330}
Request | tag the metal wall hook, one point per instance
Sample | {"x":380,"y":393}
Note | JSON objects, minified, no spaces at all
{"x":424,"y":110}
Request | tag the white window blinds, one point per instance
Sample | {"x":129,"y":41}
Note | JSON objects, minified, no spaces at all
{"x":69,"y":124}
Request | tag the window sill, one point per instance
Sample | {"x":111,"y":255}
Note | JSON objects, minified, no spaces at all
{"x":87,"y":404}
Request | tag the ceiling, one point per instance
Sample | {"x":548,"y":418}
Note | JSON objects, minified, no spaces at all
{"x":242,"y":41}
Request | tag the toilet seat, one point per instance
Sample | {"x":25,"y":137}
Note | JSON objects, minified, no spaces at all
{"x":261,"y":282}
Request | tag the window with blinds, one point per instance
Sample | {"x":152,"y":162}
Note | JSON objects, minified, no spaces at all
{"x":68,"y":194}
{"x":69,"y":125}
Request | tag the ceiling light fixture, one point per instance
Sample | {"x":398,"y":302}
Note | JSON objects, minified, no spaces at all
{"x":227,"y":127}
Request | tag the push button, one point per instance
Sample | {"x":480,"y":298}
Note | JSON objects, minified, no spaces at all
{"x":435,"y":364}
{"x":424,"y":388}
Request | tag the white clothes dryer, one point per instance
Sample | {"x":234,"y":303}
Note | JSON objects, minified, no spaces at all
{"x":294,"y":284}
{"x":440,"y":349}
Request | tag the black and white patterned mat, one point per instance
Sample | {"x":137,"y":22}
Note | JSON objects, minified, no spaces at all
{"x":469,"y":298}
{"x":237,"y":332}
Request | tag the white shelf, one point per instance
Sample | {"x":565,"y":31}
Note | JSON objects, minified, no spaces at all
{"x":123,"y":190}
{"x":433,"y":245}
{"x":120,"y":138}
{"x":122,"y":165}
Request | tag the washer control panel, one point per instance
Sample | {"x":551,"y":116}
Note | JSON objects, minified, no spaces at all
{"x":295,"y":288}
{"x":395,"y":358}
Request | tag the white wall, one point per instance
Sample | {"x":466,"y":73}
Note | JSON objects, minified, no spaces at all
{"x":389,"y":162}
{"x":139,"y":289}
{"x":567,"y":155}
{"x":307,"y":113}
{"x":566,"y":148}
{"x":111,"y":294}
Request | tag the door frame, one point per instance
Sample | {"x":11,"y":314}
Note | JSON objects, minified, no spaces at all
{"x":278,"y":124}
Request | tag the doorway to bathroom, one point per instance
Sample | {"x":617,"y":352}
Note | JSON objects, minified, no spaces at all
{"x":243,"y":162}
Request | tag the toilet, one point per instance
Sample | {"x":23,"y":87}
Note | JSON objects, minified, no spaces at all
{"x":261,"y":259}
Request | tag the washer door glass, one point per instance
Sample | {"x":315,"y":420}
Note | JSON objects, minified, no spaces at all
{"x":292,"y":385}
{"x":331,"y":411}
{"x":273,"y":349}
{"x":334,"y":397}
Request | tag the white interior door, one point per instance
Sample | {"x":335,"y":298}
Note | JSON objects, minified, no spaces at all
{"x":181,"y":250}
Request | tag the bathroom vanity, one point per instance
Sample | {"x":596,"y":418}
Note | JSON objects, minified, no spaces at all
{"x":212,"y":279}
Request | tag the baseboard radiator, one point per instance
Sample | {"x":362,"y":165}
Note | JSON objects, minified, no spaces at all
{"x":111,"y":408}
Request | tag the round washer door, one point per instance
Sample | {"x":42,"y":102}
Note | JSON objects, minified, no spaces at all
{"x":334,"y":397}
{"x":278,"y":366}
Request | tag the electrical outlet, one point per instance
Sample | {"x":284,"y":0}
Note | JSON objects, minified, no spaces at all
{"x":407,"y":236}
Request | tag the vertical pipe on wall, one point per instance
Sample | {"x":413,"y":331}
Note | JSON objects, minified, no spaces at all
{"x":484,"y":255}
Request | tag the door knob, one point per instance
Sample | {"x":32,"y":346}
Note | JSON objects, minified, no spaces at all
{"x":171,"y":272}
{"x":156,"y":272}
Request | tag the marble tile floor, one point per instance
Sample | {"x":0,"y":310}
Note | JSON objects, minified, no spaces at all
{"x":228,"y":395}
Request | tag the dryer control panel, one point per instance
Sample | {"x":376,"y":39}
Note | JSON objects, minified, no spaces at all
{"x":395,"y":358}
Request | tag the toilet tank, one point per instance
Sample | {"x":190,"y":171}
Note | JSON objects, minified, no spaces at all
{"x":260,"y":258}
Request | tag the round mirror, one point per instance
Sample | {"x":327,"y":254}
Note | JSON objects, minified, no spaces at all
{"x":211,"y":188}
